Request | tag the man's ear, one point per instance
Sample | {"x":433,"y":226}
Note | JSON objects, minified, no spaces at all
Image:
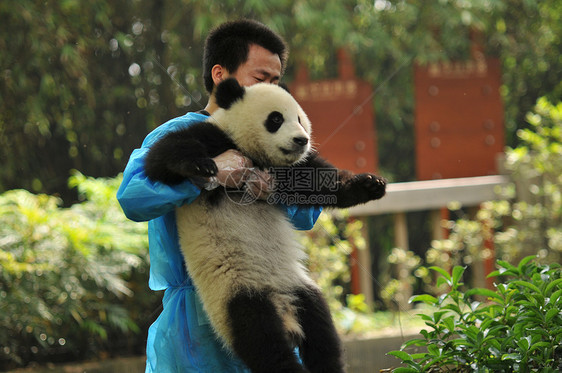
{"x":218,"y":74}
{"x":228,"y":92}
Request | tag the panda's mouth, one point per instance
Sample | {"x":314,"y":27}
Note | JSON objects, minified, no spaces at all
{"x":295,"y":152}
{"x":297,"y":147}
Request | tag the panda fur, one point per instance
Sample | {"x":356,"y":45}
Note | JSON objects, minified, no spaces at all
{"x":245,"y":259}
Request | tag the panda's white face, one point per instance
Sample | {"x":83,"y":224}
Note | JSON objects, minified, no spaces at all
{"x":268,"y":125}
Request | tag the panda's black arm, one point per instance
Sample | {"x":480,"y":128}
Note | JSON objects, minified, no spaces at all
{"x":186,"y":153}
{"x":332,"y":187}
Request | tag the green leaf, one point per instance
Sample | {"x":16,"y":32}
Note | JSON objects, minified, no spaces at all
{"x":425,"y":317}
{"x":479,"y":338}
{"x":486,"y":323}
{"x":449,"y":323}
{"x":493,"y":274}
{"x":527,"y":285}
{"x":492,"y":340}
{"x":400,"y":355}
{"x":405,"y":370}
{"x":457,"y":274}
{"x":510,"y":272}
{"x":437,"y":316}
{"x":495,"y":330}
{"x":414,"y":342}
{"x":425,"y":298}
{"x":461,"y":342}
{"x":542,"y":345}
{"x":508,"y":267}
{"x":512,"y":356}
{"x":552,"y":285}
{"x":442,"y":360}
{"x":484,"y":292}
{"x":452,"y":307}
{"x":433,"y":350}
{"x":442,"y":280}
{"x":556,"y":296}
{"x":524,"y":262}
{"x":442,"y":272}
{"x":524,"y":343}
{"x":551,"y":313}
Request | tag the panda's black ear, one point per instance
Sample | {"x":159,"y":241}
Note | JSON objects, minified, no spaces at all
{"x":228,"y":92}
{"x":285,"y":87}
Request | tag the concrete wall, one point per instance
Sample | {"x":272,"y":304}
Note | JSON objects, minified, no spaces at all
{"x":369,"y":355}
{"x":362,"y":356}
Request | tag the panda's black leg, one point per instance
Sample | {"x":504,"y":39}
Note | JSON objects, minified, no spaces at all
{"x":321,"y":348}
{"x":259,"y":338}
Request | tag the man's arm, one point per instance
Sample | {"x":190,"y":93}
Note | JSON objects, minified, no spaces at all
{"x":142,"y":199}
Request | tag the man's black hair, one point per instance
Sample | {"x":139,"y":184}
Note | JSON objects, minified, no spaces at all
{"x":228,"y":45}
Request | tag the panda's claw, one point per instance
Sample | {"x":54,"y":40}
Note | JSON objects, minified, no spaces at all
{"x":374,"y":186}
{"x":203,"y":167}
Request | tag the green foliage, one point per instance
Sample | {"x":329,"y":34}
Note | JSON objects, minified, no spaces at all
{"x":68,"y":275}
{"x":328,"y":246}
{"x":519,"y":329}
{"x":519,"y":33}
{"x":536,"y":166}
{"x":516,"y":328}
{"x":398,"y":290}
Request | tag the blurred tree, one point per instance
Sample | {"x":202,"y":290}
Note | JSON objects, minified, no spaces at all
{"x":83,"y":83}
{"x":527,"y":35}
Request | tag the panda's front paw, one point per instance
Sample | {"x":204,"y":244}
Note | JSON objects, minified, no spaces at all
{"x":203,"y":167}
{"x":372,"y":185}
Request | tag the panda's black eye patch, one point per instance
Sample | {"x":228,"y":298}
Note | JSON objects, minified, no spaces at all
{"x":274,"y":121}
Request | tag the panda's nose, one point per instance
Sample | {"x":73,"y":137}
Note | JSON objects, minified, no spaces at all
{"x":301,"y":141}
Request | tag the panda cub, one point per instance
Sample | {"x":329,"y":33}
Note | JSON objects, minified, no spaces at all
{"x":244,"y":258}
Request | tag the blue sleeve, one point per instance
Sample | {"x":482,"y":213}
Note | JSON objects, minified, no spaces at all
{"x":142,"y":199}
{"x":302,"y":217}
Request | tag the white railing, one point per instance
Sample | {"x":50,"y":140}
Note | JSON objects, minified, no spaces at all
{"x":432,"y":195}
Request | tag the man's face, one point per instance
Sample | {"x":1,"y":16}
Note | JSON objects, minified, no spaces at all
{"x":261,"y":66}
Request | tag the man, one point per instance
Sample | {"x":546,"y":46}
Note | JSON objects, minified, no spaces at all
{"x":181,"y":339}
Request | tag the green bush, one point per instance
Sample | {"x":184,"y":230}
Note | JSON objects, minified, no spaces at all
{"x":68,"y":276}
{"x":517,"y":328}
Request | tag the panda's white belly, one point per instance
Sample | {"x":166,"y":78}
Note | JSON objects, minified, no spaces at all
{"x":236,"y":247}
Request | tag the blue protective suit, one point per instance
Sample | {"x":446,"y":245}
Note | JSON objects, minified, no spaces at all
{"x":181,"y":339}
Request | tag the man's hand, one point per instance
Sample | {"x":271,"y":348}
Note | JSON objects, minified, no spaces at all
{"x":236,"y":171}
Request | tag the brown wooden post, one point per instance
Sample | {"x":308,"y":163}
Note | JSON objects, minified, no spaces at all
{"x":489,"y":259}
{"x":459,"y":119}
{"x":401,"y":241}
